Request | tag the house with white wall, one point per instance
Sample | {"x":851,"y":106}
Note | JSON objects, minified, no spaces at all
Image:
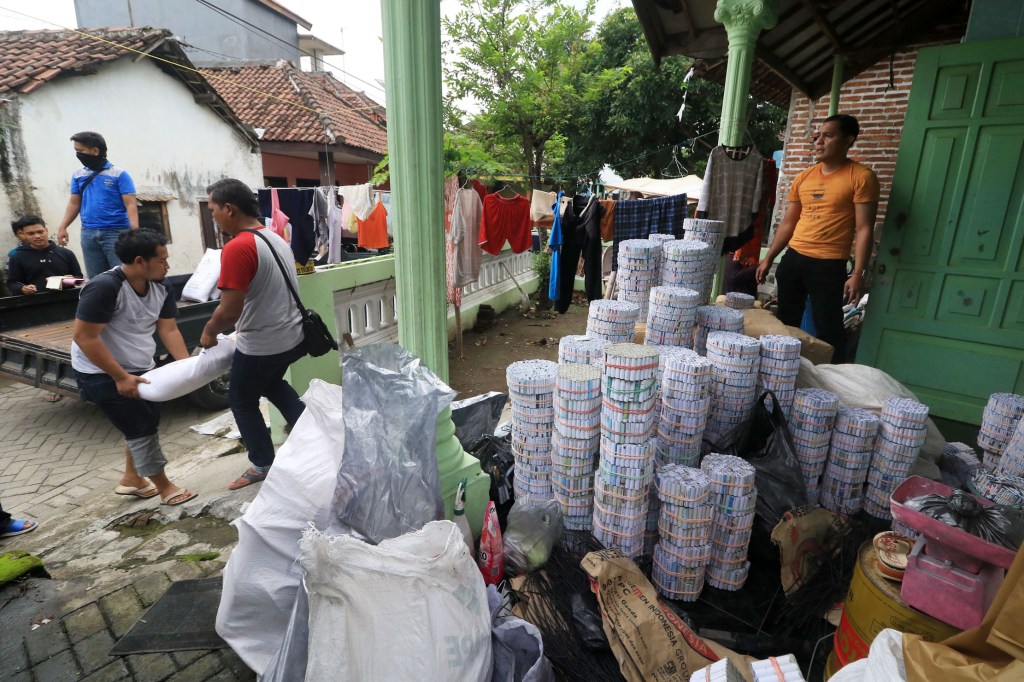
{"x":163,"y":123}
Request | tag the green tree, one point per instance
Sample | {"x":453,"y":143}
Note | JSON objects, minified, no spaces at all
{"x":633,"y":114}
{"x":521,"y":62}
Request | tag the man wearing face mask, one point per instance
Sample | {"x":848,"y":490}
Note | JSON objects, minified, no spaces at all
{"x":104,"y":195}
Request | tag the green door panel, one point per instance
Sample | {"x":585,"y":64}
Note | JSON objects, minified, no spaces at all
{"x":946,"y":312}
{"x":954,"y":378}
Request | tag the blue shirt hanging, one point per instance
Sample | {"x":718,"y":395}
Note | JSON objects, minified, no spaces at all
{"x":555,"y":243}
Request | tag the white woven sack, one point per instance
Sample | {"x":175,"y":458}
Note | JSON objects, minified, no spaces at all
{"x":181,"y":377}
{"x":411,"y":608}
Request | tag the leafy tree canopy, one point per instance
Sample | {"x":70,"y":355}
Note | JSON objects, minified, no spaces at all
{"x":623,"y":125}
{"x":556,"y":98}
{"x":522,"y":62}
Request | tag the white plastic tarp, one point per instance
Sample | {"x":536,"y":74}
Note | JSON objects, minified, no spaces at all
{"x":690,"y":185}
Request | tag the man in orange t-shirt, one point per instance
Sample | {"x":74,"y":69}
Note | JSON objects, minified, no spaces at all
{"x":832,"y":208}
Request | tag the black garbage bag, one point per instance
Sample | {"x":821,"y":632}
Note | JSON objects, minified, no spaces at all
{"x":496,"y":460}
{"x":477,"y":416}
{"x":586,"y":618}
{"x":764,"y":441}
{"x":997,"y":524}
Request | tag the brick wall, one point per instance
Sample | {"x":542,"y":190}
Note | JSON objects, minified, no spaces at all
{"x":880,"y":109}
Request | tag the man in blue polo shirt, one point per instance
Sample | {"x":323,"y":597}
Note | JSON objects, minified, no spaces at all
{"x":104,"y":195}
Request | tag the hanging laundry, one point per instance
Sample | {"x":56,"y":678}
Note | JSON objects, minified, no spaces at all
{"x":373,"y":232}
{"x":581,"y":236}
{"x":279,"y":222}
{"x":385,"y":198}
{"x":335,"y":227}
{"x":640,"y":218}
{"x":453,"y":291}
{"x":359,"y":199}
{"x":295,"y":203}
{"x":554,"y":241}
{"x":542,"y":211}
{"x":318,"y":212}
{"x":608,"y":221}
{"x":740,"y":269}
{"x":480,"y":189}
{"x":505,"y":219}
{"x":464,"y":234}
{"x":750,"y":253}
{"x":732,"y":192}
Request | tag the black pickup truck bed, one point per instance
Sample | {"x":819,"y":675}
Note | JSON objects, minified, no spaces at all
{"x":36,"y":333}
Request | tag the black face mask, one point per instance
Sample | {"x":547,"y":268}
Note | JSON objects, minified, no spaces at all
{"x":91,"y":162}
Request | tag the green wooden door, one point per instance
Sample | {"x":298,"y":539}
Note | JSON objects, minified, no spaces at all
{"x":946,"y":313}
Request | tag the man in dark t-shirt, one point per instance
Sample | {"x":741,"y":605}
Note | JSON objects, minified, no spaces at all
{"x":37,"y":258}
{"x":118,"y":312}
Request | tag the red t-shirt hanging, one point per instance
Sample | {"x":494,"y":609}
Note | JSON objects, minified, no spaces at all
{"x":480,"y":189}
{"x":505,"y":219}
{"x":373,"y":232}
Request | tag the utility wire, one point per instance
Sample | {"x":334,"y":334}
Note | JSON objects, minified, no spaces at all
{"x":209,"y":76}
{"x":268,"y":36}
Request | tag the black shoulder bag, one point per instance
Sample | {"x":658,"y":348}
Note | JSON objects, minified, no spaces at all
{"x":318,"y":337}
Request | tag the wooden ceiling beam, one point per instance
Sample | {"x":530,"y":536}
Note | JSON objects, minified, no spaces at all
{"x":822,"y":21}
{"x":779,"y":68}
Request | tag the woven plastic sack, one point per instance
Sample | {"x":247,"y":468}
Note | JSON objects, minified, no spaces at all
{"x":262,"y":576}
{"x":410,"y":608}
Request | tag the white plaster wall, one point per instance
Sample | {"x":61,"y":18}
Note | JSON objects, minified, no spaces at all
{"x":154,"y":130}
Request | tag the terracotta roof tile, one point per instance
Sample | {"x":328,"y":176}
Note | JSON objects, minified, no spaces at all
{"x":28,"y":59}
{"x":296,"y":106}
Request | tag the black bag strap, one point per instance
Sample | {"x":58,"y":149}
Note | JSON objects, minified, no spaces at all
{"x":284,"y":273}
{"x":81,"y":190}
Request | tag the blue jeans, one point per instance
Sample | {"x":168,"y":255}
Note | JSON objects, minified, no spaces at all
{"x":98,"y":250}
{"x":255,"y":376}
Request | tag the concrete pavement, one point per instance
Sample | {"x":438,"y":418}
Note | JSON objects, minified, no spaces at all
{"x":52,"y":455}
{"x":108,"y":557}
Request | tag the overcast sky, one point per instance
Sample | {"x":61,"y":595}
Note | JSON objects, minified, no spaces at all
{"x":353,"y":25}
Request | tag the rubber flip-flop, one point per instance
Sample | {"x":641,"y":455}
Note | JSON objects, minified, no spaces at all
{"x":53,"y":397}
{"x":246,"y":479}
{"x":180,"y":497}
{"x":18,"y":527}
{"x":141,"y":493}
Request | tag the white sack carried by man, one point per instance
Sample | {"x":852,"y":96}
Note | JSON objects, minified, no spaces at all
{"x":181,"y":377}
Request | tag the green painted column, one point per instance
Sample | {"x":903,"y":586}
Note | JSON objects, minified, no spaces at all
{"x":743,"y":20}
{"x":412,"y":71}
{"x":412,"y":68}
{"x":837,"y":85}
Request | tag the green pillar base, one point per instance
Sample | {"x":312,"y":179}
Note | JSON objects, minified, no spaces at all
{"x":455,"y":464}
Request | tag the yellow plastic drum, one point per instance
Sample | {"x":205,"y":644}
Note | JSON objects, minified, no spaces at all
{"x":874,"y":604}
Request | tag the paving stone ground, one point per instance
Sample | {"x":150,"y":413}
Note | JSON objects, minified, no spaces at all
{"x":76,"y":646}
{"x":52,"y":455}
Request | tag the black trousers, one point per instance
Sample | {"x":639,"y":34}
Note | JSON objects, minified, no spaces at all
{"x":576,"y":244}
{"x":822,"y":279}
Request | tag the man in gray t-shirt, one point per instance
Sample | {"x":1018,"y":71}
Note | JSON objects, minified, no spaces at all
{"x":255,"y":300}
{"x":118,"y":312}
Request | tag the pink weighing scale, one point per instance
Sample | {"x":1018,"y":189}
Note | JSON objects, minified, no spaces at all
{"x":951,"y":574}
